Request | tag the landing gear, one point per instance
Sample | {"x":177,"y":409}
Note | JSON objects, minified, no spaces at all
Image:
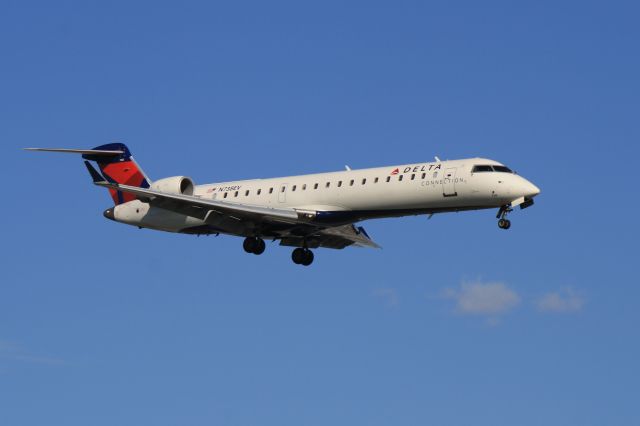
{"x":302,"y":256}
{"x":254,"y":245}
{"x":504,"y":223}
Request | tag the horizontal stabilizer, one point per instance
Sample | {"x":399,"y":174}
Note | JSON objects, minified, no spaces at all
{"x":99,"y":152}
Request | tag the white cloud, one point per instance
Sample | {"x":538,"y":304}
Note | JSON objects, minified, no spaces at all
{"x":390,"y":295}
{"x":564,"y":300}
{"x":483,"y":299}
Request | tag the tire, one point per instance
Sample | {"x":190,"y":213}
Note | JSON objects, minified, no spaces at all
{"x":502,"y":224}
{"x":259,"y":246}
{"x":507,"y":225}
{"x":248,"y":245}
{"x":298,"y":256}
{"x":308,"y":258}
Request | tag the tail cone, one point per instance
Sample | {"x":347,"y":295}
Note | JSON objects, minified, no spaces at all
{"x":108,"y":213}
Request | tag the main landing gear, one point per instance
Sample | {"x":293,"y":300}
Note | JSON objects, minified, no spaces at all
{"x":302,"y":256}
{"x":504,"y":223}
{"x":254,"y":245}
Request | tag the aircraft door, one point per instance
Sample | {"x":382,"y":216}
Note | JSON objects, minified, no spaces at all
{"x":449,"y":183}
{"x":282,"y":193}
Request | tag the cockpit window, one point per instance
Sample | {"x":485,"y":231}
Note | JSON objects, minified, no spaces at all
{"x":489,"y":168}
{"x":477,"y":169}
{"x":503,"y":169}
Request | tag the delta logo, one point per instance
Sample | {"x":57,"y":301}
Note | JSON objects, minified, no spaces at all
{"x":416,"y":169}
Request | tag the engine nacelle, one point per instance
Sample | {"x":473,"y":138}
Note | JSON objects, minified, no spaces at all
{"x":174,"y":185}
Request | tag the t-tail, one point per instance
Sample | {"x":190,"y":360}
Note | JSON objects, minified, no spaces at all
{"x":116,"y":165}
{"x":121,"y":168}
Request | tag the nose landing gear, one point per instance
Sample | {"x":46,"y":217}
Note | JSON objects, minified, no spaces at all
{"x":302,"y":256}
{"x":254,"y":245}
{"x":504,"y":223}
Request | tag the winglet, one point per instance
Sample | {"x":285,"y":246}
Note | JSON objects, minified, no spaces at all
{"x":97,"y":177}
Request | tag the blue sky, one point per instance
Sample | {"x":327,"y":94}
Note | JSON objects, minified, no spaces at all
{"x":453,"y":322}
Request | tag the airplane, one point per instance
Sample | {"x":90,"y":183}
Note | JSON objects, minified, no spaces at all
{"x":305,"y":212}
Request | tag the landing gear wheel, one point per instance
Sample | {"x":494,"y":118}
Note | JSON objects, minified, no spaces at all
{"x":298,"y":256}
{"x":254,"y":245}
{"x":248,"y":245}
{"x":260,"y":246}
{"x":302,"y":256}
{"x":308,"y":258}
{"x":504,"y":224}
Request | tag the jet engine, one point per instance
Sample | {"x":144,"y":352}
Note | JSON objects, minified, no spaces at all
{"x":174,"y":185}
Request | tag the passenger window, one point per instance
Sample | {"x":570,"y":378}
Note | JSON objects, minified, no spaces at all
{"x":270,"y":190}
{"x":283,"y":188}
{"x":375,"y":180}
{"x":315,"y":186}
{"x":259,"y":191}
{"x":413,"y":176}
{"x":388,"y":178}
{"x":339,"y":183}
{"x":246,"y":193}
{"x":400,"y":178}
{"x":364,"y":181}
{"x":424,"y":175}
{"x":327,"y":184}
{"x":293,"y":188}
{"x":351,"y":182}
{"x":235,"y":194}
{"x":304,"y":187}
{"x":225,"y":195}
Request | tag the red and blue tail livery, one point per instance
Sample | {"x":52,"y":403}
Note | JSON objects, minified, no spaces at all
{"x":120,"y":167}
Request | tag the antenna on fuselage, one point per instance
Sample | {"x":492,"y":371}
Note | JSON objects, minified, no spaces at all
{"x":437,"y":159}
{"x":347,"y":167}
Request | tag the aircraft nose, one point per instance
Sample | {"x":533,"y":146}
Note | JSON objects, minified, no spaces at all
{"x":108,"y":213}
{"x":530,"y":190}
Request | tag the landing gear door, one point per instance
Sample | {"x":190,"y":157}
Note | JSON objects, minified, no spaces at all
{"x":449,"y":183}
{"x":282,"y":193}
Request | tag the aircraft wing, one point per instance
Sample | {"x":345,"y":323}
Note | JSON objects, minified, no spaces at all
{"x":355,"y":235}
{"x":337,"y":237}
{"x":199,"y":207}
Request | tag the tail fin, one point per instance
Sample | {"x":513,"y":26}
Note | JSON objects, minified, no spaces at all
{"x":116,"y":163}
{"x":121,"y":168}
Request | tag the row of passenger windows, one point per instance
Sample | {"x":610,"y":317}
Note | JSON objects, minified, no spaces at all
{"x":339,"y":184}
{"x":489,"y":168}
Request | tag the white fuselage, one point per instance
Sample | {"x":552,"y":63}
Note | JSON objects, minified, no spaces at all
{"x":351,"y":195}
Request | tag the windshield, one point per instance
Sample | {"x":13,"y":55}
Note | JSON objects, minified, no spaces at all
{"x":490,"y":168}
